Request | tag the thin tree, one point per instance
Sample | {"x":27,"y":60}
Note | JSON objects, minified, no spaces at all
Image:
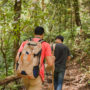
{"x":77,"y":14}
{"x":17,"y":11}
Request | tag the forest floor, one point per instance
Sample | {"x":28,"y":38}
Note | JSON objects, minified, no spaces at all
{"x":75,"y":79}
{"x":77,"y":76}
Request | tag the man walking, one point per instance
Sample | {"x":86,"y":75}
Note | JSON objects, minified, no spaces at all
{"x":62,"y":54}
{"x":36,"y":84}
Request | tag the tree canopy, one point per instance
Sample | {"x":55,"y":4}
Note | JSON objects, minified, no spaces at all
{"x":18,"y":19}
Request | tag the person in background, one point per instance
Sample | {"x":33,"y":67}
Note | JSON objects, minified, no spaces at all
{"x":62,"y":54}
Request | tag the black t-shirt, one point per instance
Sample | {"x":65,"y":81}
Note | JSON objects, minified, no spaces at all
{"x":61,"y":53}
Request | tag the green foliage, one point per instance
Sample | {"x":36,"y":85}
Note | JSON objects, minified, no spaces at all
{"x":89,"y":82}
{"x":57,"y":18}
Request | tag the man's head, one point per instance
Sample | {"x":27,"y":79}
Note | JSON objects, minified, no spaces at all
{"x":59,"y":39}
{"x":39,"y":31}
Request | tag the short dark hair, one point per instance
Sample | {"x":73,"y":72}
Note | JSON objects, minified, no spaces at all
{"x":39,"y":30}
{"x":60,"y":37}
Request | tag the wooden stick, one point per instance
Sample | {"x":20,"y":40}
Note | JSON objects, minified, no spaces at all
{"x":9,"y":79}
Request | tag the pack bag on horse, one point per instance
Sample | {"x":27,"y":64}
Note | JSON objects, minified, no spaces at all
{"x":28,"y":63}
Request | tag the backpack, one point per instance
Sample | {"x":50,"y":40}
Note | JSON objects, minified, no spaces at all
{"x":28,"y":64}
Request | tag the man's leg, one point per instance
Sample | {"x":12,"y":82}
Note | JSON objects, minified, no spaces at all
{"x":55,"y":80}
{"x":60,"y":80}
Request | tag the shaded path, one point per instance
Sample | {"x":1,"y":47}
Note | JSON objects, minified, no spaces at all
{"x":74,"y":79}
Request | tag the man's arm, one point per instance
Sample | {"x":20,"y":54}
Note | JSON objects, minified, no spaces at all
{"x":49,"y":57}
{"x":50,"y":60}
{"x":17,"y":57}
{"x":69,"y":57}
{"x":20,"y":49}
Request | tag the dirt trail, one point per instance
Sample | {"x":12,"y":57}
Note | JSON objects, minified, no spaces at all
{"x":74,"y":79}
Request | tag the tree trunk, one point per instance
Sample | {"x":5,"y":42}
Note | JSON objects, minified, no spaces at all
{"x":4,"y":57}
{"x":3,"y":50}
{"x":65,"y":12}
{"x":77,"y":14}
{"x":43,"y":5}
{"x":17,"y":11}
